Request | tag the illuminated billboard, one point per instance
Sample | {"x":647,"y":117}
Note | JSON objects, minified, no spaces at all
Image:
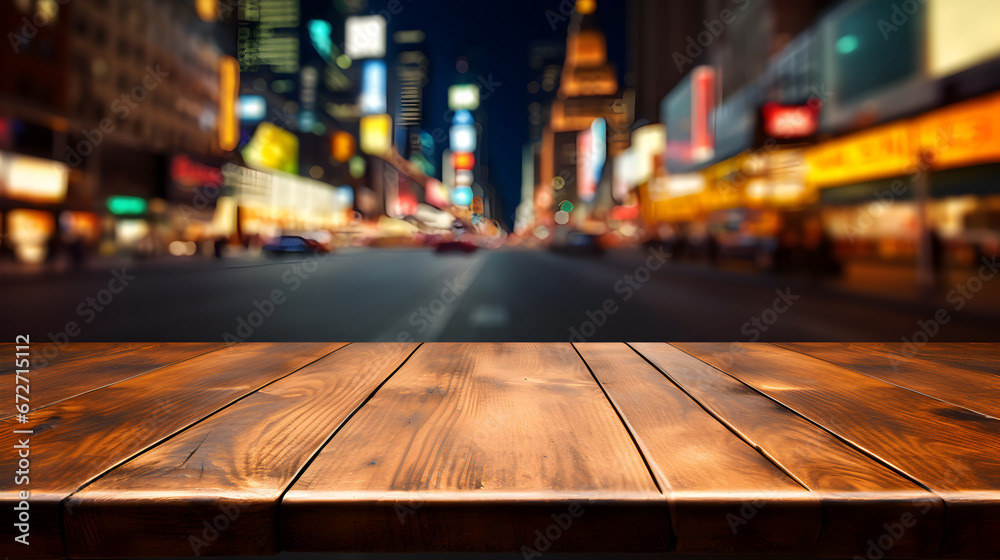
{"x":647,"y":142}
{"x":373,"y":87}
{"x":465,"y":96}
{"x":364,"y":37}
{"x":229,"y":87}
{"x":461,"y":196}
{"x":956,"y":41}
{"x":686,"y":111}
{"x":32,"y":179}
{"x":342,"y":146}
{"x":790,"y":121}
{"x":273,"y":147}
{"x":252,"y":108}
{"x":463,"y":160}
{"x":586,"y":186}
{"x":463,"y":138}
{"x":376,"y":134}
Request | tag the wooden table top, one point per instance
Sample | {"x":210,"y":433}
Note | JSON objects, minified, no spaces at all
{"x":178,"y":450}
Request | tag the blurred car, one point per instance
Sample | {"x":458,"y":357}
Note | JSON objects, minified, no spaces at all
{"x":293,"y":245}
{"x":745,"y":234}
{"x":454,"y":246}
{"x":576,"y":243}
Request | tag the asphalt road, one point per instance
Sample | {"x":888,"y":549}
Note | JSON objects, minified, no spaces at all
{"x":382,"y":295}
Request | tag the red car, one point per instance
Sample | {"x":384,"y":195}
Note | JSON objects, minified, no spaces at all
{"x":454,"y":246}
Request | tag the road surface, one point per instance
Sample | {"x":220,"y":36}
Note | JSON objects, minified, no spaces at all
{"x":382,"y":295}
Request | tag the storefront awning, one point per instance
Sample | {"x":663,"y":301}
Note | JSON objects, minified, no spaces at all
{"x":979,"y":180}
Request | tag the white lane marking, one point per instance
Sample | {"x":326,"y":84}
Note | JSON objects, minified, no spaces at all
{"x":467,"y":279}
{"x":433,"y":313}
{"x":489,"y":315}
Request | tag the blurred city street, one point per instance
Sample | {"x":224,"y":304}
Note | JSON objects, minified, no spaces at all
{"x":364,"y":170}
{"x":509,"y":295}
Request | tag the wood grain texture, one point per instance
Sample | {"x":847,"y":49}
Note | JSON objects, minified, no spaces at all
{"x":980,"y":356}
{"x":78,"y":439}
{"x":974,"y":390}
{"x":85,"y":366}
{"x":951,"y":451}
{"x":724,"y":495}
{"x":859,"y":496}
{"x":239,"y":462}
{"x":480,"y":448}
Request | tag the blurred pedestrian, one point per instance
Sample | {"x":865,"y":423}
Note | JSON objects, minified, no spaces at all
{"x":78,"y":251}
{"x":820,"y":258}
{"x":219,"y":245}
{"x":53,"y":246}
{"x":937,"y":257}
{"x":713,"y":248}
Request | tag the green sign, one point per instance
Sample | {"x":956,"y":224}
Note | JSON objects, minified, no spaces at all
{"x":126,"y":205}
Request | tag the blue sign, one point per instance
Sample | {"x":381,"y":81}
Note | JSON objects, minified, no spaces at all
{"x":461,"y":196}
{"x":373,"y":88}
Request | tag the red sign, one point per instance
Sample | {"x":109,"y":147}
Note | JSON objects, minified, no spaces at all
{"x":622,"y":213}
{"x":586,"y":183}
{"x":463,"y":160}
{"x":702,"y":101}
{"x":790,"y":121}
{"x":190,"y":173}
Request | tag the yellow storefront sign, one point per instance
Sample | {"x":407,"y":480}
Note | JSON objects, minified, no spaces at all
{"x":770,"y":177}
{"x":883,"y":151}
{"x":963,"y":134}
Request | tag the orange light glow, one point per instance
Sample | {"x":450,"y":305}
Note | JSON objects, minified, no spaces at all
{"x":463,"y":160}
{"x":208,"y":10}
{"x":586,"y":6}
{"x":229,"y":87}
{"x":342,"y":146}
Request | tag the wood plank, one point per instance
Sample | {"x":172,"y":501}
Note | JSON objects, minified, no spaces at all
{"x":724,"y":495}
{"x":239,"y":461}
{"x":859,"y":496}
{"x":951,"y":451}
{"x":980,"y":356}
{"x":85,"y":366}
{"x":971,"y":389}
{"x":480,"y":448}
{"x":80,"y":438}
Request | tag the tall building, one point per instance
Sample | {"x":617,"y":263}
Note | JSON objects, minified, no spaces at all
{"x":412,"y":67}
{"x":588,"y":90}
{"x":545,"y":58}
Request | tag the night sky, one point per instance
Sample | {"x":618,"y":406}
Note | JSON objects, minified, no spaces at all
{"x":495,"y":36}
